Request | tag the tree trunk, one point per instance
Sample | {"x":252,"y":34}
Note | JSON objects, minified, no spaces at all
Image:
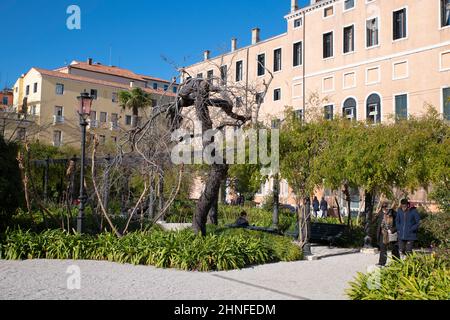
{"x":161,"y":201}
{"x":369,"y":199}
{"x":214,"y":211}
{"x":276,"y":201}
{"x":349,"y":204}
{"x":151,"y":198}
{"x":339,"y":210}
{"x":216,"y":175}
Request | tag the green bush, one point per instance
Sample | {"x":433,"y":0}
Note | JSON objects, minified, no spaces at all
{"x":257,"y":217}
{"x":11,"y":193}
{"x":231,"y":249}
{"x":419,"y":277}
{"x":435,"y":231}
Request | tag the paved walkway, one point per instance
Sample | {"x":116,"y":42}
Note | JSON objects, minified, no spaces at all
{"x":325,"y":279}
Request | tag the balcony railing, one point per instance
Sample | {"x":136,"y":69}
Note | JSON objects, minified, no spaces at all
{"x":58,"y":119}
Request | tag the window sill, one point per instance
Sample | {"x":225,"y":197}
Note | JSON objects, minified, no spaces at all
{"x":373,"y":47}
{"x":400,"y":40}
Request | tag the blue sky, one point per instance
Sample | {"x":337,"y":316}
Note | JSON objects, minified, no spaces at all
{"x":138,"y":32}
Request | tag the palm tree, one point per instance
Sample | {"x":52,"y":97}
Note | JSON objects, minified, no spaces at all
{"x":135,"y":100}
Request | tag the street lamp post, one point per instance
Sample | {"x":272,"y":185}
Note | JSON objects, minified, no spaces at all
{"x":84,"y":111}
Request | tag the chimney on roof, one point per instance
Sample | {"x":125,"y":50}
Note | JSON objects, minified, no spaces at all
{"x":256,"y":32}
{"x":89,"y":61}
{"x":233,"y":44}
{"x":206,"y":55}
{"x":294,"y":5}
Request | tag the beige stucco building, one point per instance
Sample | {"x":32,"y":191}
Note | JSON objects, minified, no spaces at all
{"x":49,"y":100}
{"x":367,"y":60}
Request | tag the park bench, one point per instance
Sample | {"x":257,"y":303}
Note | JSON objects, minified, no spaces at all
{"x":327,"y":233}
{"x":253,"y":228}
{"x":324,"y":233}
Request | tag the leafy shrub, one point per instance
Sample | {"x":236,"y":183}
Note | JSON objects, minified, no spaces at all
{"x":181,"y":250}
{"x":419,"y":277}
{"x":11,"y":193}
{"x":435,"y":230}
{"x":258,"y":217}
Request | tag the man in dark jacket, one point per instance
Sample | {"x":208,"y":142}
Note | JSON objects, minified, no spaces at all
{"x":408,"y":223}
{"x":324,"y":207}
{"x":386,"y":234}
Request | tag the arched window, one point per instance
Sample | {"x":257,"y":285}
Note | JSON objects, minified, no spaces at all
{"x":349,"y":109}
{"x":373,"y":108}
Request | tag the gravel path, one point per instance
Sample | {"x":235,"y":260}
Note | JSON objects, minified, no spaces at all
{"x":325,"y":279}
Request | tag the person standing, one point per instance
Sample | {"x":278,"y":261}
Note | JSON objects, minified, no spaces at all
{"x":387,"y":235}
{"x":408,"y":223}
{"x":324,"y":207}
{"x":316,"y":206}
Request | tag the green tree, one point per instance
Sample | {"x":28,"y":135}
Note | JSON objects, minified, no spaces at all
{"x":135,"y":100}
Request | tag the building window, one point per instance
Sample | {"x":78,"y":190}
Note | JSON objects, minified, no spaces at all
{"x":349,"y":4}
{"x":102,"y":139}
{"x":298,"y":23}
{"x":373,"y":109}
{"x":59,"y":115}
{"x":349,"y":39}
{"x":298,"y":114}
{"x":446,"y":103}
{"x":329,"y":112}
{"x":328,"y":12}
{"x":35,"y":87}
{"x":33,"y":110}
{"x":210,"y":76}
{"x":259,"y":98}
{"x":59,"y":89}
{"x":298,"y":54}
{"x":200,"y":75}
{"x":276,"y":124}
{"x":224,"y":74}
{"x":239,"y":71}
{"x":166,"y":87}
{"x":5,"y":101}
{"x":128,"y":120}
{"x":103,"y":117}
{"x":400,"y":24}
{"x":277,"y":95}
{"x":94,"y":94}
{"x":372,"y":32}
{"x":261,"y":64}
{"x":57,"y":138}
{"x":401,"y":107}
{"x":115,"y":97}
{"x":445,"y":13}
{"x":115,"y":119}
{"x":349,"y":109}
{"x":27,"y":90}
{"x":174,"y":89}
{"x":277,"y":60}
{"x":328,"y":45}
{"x":155,"y":86}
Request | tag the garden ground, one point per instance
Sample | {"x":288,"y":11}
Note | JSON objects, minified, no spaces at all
{"x":324,"y":279}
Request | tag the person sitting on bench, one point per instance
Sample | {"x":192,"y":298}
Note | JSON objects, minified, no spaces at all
{"x":242,"y":221}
